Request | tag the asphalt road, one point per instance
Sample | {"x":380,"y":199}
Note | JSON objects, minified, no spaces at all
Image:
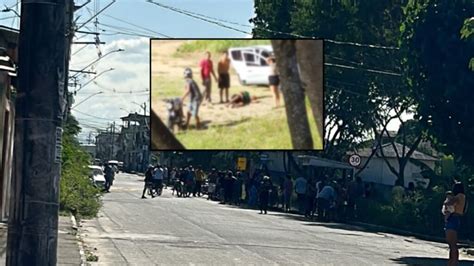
{"x":193,"y":231}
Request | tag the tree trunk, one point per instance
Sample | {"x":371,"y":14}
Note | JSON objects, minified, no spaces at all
{"x":309,"y":54}
{"x":293,"y":93}
{"x":162,"y":138}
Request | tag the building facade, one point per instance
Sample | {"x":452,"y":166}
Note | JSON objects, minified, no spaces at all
{"x":134,"y":141}
{"x":107,"y":146}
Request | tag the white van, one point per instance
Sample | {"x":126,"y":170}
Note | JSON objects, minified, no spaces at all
{"x":250,"y":63}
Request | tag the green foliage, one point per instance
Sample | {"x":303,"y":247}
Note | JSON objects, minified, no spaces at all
{"x":77,"y":194}
{"x":435,"y":65}
{"x":216,"y":46}
{"x":355,"y":99}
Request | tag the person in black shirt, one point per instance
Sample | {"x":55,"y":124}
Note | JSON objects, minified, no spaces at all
{"x":264,"y":193}
{"x":148,"y":179}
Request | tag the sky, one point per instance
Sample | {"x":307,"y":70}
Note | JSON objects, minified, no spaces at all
{"x":114,"y":94}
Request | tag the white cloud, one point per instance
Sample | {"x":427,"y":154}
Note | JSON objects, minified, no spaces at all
{"x":130,"y":74}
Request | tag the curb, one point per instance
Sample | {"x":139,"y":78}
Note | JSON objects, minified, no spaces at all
{"x":79,"y":242}
{"x":408,"y":233}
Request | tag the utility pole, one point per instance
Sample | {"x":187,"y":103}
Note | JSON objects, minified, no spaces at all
{"x":113,"y":140}
{"x":40,"y":108}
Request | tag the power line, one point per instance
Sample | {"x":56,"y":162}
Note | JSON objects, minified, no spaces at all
{"x":363,"y":69}
{"x":218,"y":22}
{"x":196,"y":17}
{"x":93,"y":116}
{"x":138,"y":26}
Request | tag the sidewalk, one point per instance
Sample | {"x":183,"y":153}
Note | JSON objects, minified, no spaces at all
{"x":68,"y":248}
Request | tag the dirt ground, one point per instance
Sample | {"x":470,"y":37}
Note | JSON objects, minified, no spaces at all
{"x":169,"y":67}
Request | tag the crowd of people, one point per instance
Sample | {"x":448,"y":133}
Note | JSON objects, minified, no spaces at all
{"x":321,"y":197}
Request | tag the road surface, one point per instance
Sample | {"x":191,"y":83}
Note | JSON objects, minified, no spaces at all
{"x":193,"y":231}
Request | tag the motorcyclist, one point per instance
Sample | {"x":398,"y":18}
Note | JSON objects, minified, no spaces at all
{"x":158,"y":178}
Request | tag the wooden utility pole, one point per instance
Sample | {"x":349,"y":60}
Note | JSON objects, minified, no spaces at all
{"x":40,"y":106}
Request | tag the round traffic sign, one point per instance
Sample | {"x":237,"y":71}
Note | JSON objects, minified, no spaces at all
{"x":354,"y":160}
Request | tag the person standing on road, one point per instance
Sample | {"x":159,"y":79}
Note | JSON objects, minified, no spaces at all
{"x":199,"y":181}
{"x":237,"y":189}
{"x":453,"y":222}
{"x":326,"y":198}
{"x":274,"y":80}
{"x":310,"y":198}
{"x":207,"y":69}
{"x":148,"y":178}
{"x":191,"y":88}
{"x":300,"y":189}
{"x":264,"y":194}
{"x":212,"y":184}
{"x":109,"y":177}
{"x":223,"y":67}
{"x":287,"y":193}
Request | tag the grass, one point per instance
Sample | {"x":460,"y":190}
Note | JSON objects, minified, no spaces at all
{"x":270,"y":132}
{"x":215,"y":46}
{"x":248,"y":133}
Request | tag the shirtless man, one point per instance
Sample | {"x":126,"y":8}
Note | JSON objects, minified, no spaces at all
{"x":224,"y":78}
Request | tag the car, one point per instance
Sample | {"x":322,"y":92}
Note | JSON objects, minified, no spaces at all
{"x":250,"y":63}
{"x":97,"y":176}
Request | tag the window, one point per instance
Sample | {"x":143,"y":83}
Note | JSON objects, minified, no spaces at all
{"x":236,"y":55}
{"x":249,"y":57}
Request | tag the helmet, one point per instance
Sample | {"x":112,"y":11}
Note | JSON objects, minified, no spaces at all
{"x":188,"y":73}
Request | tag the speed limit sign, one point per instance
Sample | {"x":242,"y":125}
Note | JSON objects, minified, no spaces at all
{"x":354,"y":160}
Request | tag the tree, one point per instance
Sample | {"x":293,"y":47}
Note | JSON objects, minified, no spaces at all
{"x":309,"y":54}
{"x":358,"y":79}
{"x":435,"y":64}
{"x":467,"y":33}
{"x":285,"y":51}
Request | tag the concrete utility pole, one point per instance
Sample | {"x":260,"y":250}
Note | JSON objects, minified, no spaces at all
{"x":113,"y":140}
{"x":40,"y":107}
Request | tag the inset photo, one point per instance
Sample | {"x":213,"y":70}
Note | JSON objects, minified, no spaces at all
{"x":237,"y":94}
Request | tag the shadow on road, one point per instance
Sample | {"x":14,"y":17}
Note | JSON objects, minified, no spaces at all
{"x":429,"y":261}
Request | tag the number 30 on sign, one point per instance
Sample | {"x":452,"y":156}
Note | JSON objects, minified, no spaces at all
{"x":354,"y":160}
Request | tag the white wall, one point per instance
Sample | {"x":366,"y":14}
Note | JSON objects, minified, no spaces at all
{"x":378,"y":172}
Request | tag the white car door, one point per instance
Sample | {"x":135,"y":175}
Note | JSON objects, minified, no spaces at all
{"x":257,"y":69}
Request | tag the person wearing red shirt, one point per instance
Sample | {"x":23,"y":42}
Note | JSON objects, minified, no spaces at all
{"x":206,"y":71}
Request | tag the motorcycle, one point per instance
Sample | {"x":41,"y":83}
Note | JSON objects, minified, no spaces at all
{"x":175,"y":113}
{"x":179,"y":188}
{"x":155,"y":189}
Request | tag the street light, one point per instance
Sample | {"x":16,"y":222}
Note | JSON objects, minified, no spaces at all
{"x":98,"y":75}
{"x":100,"y":92}
{"x":93,"y":62}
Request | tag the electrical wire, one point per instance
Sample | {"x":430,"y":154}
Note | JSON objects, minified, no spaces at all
{"x":218,"y":22}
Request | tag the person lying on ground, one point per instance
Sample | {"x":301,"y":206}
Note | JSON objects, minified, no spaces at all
{"x":241,"y":99}
{"x":191,"y":88}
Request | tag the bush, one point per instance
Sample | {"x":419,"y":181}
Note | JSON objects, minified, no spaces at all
{"x":77,"y":193}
